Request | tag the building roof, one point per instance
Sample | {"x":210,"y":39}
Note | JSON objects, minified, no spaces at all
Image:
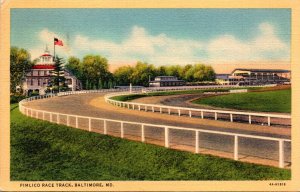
{"x":43,"y":67}
{"x":263,"y":70}
{"x":46,"y":54}
{"x":166,"y":81}
{"x":164,"y":76}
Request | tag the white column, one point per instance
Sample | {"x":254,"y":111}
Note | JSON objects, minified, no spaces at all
{"x":104,"y":127}
{"x":169,"y":111}
{"x":76,"y":122}
{"x":166,"y":137}
{"x":202,"y":116}
{"x":57,"y":116}
{"x":130,"y":88}
{"x":152,"y":109}
{"x":90,"y":124}
{"x":231,"y":118}
{"x":190,"y":113}
{"x":216,"y":116}
{"x":197,"y":142}
{"x":160,"y":110}
{"x":236,"y":148}
{"x":281,"y":153}
{"x":178,"y":112}
{"x":249,"y":119}
{"x":269,"y":120}
{"x":143,"y":133}
{"x":68,"y":122}
{"x":122,"y":130}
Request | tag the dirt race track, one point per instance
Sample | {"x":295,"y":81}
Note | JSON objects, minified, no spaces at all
{"x":250,"y":150}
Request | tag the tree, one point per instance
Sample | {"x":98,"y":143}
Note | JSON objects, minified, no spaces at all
{"x":123,"y":76}
{"x":73,"y":65}
{"x":94,"y":69}
{"x":142,"y":72}
{"x":58,"y":79}
{"x":20,"y":64}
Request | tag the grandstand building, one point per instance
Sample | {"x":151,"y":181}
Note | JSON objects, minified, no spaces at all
{"x":254,"y":77}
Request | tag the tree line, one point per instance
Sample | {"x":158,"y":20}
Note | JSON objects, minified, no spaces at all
{"x":93,"y":71}
{"x":142,"y":72}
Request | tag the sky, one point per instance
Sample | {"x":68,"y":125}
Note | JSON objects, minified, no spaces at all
{"x":157,"y":36}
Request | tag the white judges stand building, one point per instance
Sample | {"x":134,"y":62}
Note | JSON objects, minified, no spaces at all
{"x":39,"y":77}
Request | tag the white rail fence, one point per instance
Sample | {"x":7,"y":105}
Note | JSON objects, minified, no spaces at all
{"x":191,"y":111}
{"x":142,"y":129}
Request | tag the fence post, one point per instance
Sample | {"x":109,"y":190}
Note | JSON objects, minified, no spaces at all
{"x":202,"y":116}
{"x":152,"y":109}
{"x":133,"y":106}
{"x":269,"y":120}
{"x":190,"y":113}
{"x":57,"y":115}
{"x":236,"y":148}
{"x":139,"y":107}
{"x":231,"y":117}
{"x":122,"y":130}
{"x":166,"y":137}
{"x":197,"y":142}
{"x":160,"y":110}
{"x":216,"y":116}
{"x":169,"y":111}
{"x":143,"y":133}
{"x":281,"y":153}
{"x":178,"y":112}
{"x":249,"y":119}
{"x":76,"y":121}
{"x":68,"y":120}
{"x":104,"y":128}
{"x":90,"y":124}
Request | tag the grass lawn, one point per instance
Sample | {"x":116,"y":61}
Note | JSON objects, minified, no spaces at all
{"x":44,"y":151}
{"x":269,"y":101}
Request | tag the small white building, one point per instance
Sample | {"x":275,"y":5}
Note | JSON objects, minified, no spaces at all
{"x":166,"y":81}
{"x":39,"y":77}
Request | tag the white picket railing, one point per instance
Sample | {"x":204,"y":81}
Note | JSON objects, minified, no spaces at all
{"x":37,"y":113}
{"x":179,"y":110}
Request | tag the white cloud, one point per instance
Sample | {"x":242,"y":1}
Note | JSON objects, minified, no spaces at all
{"x":228,"y":48}
{"x":163,"y":49}
{"x":140,"y":45}
{"x":46,"y":37}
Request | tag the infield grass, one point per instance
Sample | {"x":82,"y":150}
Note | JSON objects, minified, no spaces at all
{"x":166,"y":93}
{"x":43,"y":151}
{"x":268,"y":101}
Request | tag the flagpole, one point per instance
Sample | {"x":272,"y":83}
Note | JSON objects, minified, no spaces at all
{"x":54,"y":49}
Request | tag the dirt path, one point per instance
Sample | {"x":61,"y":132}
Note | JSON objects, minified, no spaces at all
{"x":94,"y":105}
